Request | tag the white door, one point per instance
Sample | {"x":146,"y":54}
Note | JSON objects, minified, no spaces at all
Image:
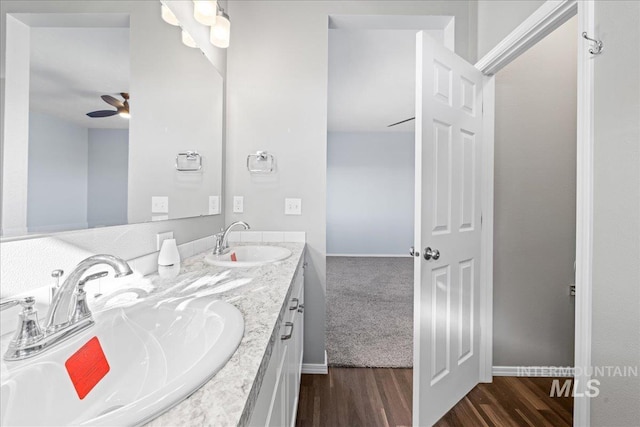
{"x":446,"y":286}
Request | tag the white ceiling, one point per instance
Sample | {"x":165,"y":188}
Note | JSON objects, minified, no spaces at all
{"x":72,"y":67}
{"x":371,"y":79}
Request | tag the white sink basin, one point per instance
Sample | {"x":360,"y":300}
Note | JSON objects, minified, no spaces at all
{"x":248,"y":256}
{"x":158,"y":356}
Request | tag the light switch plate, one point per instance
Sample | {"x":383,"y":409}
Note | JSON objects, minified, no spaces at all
{"x":159,"y":204}
{"x":161,"y":237}
{"x":214,"y":205}
{"x":238,"y":204}
{"x":293,"y":206}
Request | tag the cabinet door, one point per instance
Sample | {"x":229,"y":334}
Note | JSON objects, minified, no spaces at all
{"x":268,"y":389}
{"x":277,"y":401}
{"x":295,"y":348}
{"x":278,"y":415}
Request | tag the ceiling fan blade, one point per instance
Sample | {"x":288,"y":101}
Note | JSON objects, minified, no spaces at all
{"x":403,"y":121}
{"x":112,"y":101}
{"x":102,"y":113}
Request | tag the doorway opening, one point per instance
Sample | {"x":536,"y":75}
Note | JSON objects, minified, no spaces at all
{"x":370,"y":187}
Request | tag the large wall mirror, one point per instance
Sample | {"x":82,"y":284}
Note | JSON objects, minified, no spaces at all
{"x":149,"y":98}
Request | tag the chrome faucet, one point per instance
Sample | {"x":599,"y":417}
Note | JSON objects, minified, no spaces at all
{"x":68,"y":315}
{"x":60,"y":312}
{"x":221,"y":238}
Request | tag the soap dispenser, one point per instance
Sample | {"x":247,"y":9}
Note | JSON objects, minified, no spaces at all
{"x":169,"y":259}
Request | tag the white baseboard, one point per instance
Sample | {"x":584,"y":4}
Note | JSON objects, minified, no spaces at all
{"x":533,"y":371}
{"x":316,"y":368}
{"x":371,"y":255}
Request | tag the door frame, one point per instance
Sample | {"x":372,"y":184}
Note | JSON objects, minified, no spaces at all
{"x":551,"y":15}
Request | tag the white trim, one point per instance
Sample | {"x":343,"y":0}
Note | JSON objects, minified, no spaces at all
{"x":584,"y":213}
{"x":444,"y":23}
{"x":372,"y":255}
{"x":316,"y":368}
{"x":533,"y":371}
{"x":486,"y":239}
{"x":539,"y":24}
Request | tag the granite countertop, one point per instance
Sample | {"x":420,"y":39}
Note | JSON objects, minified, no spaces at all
{"x":259,"y":293}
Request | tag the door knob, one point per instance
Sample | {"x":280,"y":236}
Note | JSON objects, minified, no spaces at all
{"x":413,"y":252}
{"x":429,"y":253}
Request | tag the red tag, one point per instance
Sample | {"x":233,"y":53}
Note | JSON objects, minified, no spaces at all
{"x":233,"y":257}
{"x":87,"y":366}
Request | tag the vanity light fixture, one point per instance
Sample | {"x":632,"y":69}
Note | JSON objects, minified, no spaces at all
{"x":168,"y":16}
{"x":188,"y":40}
{"x":204,"y":11}
{"x":221,"y":31}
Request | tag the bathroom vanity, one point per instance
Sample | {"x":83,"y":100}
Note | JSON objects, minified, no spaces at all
{"x":259,"y":385}
{"x":213,"y":346}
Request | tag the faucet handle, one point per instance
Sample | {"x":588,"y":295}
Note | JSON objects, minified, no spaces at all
{"x":27,"y":303}
{"x":218,"y":248}
{"x":28,"y":330}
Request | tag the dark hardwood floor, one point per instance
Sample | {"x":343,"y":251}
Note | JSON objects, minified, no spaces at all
{"x":383,"y":397}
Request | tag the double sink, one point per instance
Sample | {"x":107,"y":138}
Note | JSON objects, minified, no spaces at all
{"x":158,"y":352}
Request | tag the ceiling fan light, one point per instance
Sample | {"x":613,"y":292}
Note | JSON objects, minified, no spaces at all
{"x":188,"y":40}
{"x":124,"y":112}
{"x":221,"y":31}
{"x":204,"y":11}
{"x":168,"y":16}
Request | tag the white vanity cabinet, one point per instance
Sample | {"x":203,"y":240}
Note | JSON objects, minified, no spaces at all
{"x":277,"y":401}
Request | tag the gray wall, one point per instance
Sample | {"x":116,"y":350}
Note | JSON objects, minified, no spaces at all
{"x":616,"y":234}
{"x":497,"y":18}
{"x":277,"y":101}
{"x":107,"y":181}
{"x":57,"y":184}
{"x":178,"y":105}
{"x":535,"y":194}
{"x":370,"y":192}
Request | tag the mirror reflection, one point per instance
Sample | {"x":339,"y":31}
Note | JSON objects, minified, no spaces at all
{"x":97,"y":107}
{"x":78,"y":143}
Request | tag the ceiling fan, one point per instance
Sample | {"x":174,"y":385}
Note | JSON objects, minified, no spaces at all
{"x":122,"y":107}
{"x":400,"y":122}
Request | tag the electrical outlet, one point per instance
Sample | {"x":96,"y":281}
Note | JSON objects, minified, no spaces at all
{"x":161,"y":237}
{"x":159,"y":204}
{"x":238,"y":204}
{"x":214,"y":205}
{"x":293,"y":206}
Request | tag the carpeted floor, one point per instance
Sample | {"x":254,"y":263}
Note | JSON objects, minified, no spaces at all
{"x":370,"y":312}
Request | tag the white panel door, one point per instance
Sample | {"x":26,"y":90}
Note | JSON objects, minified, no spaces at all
{"x":446,"y":306}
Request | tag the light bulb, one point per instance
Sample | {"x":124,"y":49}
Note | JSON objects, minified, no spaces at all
{"x":188,"y":40}
{"x":168,"y":16}
{"x":124,"y":114}
{"x":221,"y":31}
{"x":205,"y":11}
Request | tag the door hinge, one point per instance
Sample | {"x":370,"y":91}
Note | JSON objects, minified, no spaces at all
{"x":480,"y":220}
